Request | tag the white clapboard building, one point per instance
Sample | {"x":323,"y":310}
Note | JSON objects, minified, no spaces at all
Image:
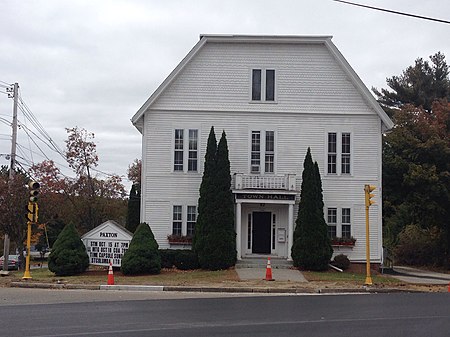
{"x":274,"y":96}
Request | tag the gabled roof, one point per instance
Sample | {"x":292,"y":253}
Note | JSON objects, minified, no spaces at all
{"x":274,"y":39}
{"x":109,"y":224}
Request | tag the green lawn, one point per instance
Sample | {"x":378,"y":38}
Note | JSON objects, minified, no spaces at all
{"x":349,"y":277}
{"x":167,"y":277}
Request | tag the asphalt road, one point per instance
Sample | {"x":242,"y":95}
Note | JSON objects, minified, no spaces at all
{"x":334,"y":315}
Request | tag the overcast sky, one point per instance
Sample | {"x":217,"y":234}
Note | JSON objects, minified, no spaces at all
{"x":93,"y":63}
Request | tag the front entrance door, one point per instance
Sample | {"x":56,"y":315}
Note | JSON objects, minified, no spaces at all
{"x":261,"y":233}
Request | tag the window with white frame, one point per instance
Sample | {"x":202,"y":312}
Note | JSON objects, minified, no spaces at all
{"x":256,"y":152}
{"x":339,"y":153}
{"x":178,"y":152}
{"x":332,"y":222}
{"x":332,"y":152}
{"x":191,"y":219}
{"x":346,"y":223}
{"x":345,"y":154}
{"x":270,"y":152}
{"x":263,"y":85}
{"x":193,"y":151}
{"x":177,"y":220}
{"x":262,"y":151}
{"x":185,"y":155}
{"x":339,"y":225}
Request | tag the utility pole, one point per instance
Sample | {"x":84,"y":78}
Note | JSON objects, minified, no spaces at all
{"x":15,"y":96}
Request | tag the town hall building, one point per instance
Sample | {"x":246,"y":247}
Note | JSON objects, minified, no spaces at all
{"x":274,"y":96}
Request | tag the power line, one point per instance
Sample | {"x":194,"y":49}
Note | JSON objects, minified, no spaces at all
{"x":394,"y":12}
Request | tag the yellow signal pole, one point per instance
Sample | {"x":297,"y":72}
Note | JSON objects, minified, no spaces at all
{"x":32,"y":217}
{"x":368,"y":202}
{"x":27,"y":274}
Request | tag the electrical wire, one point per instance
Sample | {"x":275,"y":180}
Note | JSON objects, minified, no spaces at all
{"x":393,"y":12}
{"x":9,"y":84}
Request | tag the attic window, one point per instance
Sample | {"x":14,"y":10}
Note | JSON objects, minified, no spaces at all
{"x":263,"y":85}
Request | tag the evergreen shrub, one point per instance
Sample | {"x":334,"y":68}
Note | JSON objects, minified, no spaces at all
{"x":68,"y":255}
{"x":167,"y":258}
{"x":186,"y":260}
{"x":341,"y":261}
{"x":142,"y":257}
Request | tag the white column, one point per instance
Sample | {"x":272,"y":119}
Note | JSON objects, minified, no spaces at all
{"x":291,"y":230}
{"x":238,"y":231}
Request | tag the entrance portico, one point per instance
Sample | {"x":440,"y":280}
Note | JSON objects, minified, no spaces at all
{"x":264,"y":218}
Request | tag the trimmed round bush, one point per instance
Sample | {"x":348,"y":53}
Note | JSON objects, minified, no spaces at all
{"x":142,"y":257}
{"x":186,"y":260}
{"x":167,"y":258}
{"x":68,"y":256}
{"x":341,"y":261}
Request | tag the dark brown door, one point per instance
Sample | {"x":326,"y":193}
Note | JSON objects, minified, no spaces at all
{"x":261,"y":233}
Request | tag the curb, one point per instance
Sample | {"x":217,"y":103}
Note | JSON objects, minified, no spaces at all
{"x":364,"y":290}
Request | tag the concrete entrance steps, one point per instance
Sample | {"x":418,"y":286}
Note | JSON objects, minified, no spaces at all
{"x":261,"y":262}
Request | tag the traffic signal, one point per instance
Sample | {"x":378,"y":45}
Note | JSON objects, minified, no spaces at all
{"x":34,"y":190}
{"x":32,"y":212}
{"x":368,"y":189}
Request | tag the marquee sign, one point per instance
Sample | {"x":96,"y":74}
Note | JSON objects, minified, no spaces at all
{"x":107,"y":243}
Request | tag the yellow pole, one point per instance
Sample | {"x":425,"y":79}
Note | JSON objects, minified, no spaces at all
{"x":27,"y":274}
{"x":368,"y":277}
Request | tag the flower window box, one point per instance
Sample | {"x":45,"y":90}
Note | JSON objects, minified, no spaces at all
{"x":179,"y":239}
{"x":343,"y":242}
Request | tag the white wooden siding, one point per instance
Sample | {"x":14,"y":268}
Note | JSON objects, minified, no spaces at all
{"x":295,"y":133}
{"x":314,"y":96}
{"x":309,"y":80}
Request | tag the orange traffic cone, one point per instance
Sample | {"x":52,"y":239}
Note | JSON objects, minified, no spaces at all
{"x":269,"y":271}
{"x":110,"y":275}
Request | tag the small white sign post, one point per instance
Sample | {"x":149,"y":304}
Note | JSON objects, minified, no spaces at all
{"x":107,"y":243}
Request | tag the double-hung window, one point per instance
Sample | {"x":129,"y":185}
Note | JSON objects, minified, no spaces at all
{"x":178,"y":150}
{"x":177,"y":220}
{"x":345,"y":154}
{"x":346,"y":223}
{"x":332,"y":152}
{"x":256,"y":152}
{"x":262,"y":151}
{"x":185,"y":150}
{"x":263,"y":85}
{"x":191,"y":219}
{"x":339,"y":153}
{"x":332,"y":222}
{"x":193,"y":151}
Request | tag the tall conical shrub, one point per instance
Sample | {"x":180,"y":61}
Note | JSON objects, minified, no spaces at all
{"x":68,"y":256}
{"x":142,"y":256}
{"x":134,"y":208}
{"x":311,"y":248}
{"x":220,"y":246}
{"x":206,"y":200}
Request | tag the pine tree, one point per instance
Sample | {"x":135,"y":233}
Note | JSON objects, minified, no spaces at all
{"x":419,"y":85}
{"x":311,"y":248}
{"x":68,"y":256}
{"x":134,"y":208}
{"x":142,"y":256}
{"x":206,"y":200}
{"x":220,"y":246}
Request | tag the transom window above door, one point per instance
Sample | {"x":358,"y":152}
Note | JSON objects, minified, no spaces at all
{"x":263,"y":85}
